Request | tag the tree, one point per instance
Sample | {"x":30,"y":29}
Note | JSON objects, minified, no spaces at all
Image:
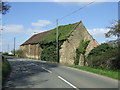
{"x":114,"y":30}
{"x":4,"y":8}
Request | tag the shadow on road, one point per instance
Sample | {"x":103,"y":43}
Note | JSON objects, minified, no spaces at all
{"x":22,"y":69}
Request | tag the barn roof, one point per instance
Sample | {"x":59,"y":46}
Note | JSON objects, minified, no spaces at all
{"x":64,"y":31}
{"x":36,"y":38}
{"x":50,"y":36}
{"x":44,"y":37}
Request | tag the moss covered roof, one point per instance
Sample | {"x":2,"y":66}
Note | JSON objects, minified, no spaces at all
{"x":63,"y":33}
{"x":50,"y":36}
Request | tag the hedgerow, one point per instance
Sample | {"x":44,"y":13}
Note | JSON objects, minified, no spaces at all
{"x":104,"y":56}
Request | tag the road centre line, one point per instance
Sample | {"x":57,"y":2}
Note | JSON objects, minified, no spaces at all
{"x":68,"y":82}
{"x":46,"y":70}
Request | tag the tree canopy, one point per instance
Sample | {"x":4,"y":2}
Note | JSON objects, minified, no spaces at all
{"x":114,"y":30}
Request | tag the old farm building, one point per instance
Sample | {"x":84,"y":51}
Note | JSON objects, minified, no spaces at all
{"x":42,"y":46}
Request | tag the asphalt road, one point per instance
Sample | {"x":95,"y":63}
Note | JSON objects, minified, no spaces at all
{"x":28,"y":73}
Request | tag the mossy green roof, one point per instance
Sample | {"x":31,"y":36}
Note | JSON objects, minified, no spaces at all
{"x":63,"y":33}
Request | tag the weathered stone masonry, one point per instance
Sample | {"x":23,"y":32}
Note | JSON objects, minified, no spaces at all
{"x":68,"y":49}
{"x":31,"y":51}
{"x":31,"y":48}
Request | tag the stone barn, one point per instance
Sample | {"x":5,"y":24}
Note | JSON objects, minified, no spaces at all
{"x":43,"y":45}
{"x":31,"y":48}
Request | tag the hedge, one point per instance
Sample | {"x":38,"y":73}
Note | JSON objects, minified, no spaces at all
{"x":104,"y":56}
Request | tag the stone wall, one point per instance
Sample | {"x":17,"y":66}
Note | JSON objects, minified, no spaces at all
{"x":32,"y":51}
{"x":68,"y":49}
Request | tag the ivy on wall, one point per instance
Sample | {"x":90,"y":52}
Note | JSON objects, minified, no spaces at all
{"x":49,"y":52}
{"x":80,"y":50}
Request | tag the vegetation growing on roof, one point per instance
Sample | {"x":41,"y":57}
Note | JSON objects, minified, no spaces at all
{"x":63,"y":32}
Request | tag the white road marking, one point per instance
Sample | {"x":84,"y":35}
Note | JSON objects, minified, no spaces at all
{"x":46,"y":70}
{"x":68,"y":82}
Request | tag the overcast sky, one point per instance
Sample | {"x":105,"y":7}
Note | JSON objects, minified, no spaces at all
{"x":25,"y":18}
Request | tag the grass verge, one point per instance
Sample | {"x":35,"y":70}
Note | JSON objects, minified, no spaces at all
{"x":5,"y":69}
{"x":108,"y":73}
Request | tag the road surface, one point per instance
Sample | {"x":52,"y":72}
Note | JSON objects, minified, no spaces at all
{"x":28,"y":73}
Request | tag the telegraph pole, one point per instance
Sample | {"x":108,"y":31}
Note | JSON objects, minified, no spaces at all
{"x":8,"y":48}
{"x":1,"y":28}
{"x":1,"y":40}
{"x":57,"y":42}
{"x":14,"y":46}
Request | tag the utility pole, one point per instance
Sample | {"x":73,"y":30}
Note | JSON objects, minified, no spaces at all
{"x":8,"y":48}
{"x":1,"y":40}
{"x":14,"y":46}
{"x":1,"y":28}
{"x":57,"y":42}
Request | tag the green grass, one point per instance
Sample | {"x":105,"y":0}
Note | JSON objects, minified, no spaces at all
{"x":0,"y":72}
{"x":108,"y":73}
{"x":5,"y":69}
